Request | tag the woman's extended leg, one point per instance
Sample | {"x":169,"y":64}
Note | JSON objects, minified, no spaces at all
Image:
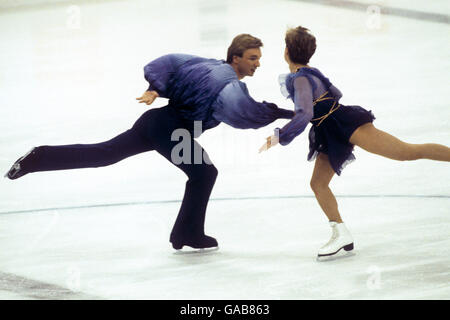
{"x":320,"y":180}
{"x":379,"y":142}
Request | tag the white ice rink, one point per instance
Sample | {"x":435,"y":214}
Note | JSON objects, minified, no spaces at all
{"x":70,"y":72}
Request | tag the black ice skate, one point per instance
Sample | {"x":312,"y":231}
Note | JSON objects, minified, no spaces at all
{"x":202,"y":243}
{"x":18,"y":168}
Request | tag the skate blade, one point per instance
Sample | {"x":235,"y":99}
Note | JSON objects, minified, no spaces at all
{"x":341,"y":254}
{"x":189,"y":250}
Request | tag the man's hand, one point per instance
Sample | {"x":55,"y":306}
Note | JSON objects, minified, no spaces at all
{"x":271,"y":141}
{"x":148,"y":97}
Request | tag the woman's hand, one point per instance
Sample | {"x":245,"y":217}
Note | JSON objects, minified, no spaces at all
{"x":271,"y":141}
{"x":148,"y":97}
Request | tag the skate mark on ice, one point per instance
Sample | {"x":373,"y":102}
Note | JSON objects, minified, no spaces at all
{"x":39,"y":290}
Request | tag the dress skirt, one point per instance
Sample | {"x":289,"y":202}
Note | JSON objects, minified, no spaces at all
{"x":331,"y":131}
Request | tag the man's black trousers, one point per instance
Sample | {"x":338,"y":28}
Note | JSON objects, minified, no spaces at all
{"x":152,"y":131}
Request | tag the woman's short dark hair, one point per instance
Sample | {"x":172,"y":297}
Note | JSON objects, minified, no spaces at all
{"x":241,"y":43}
{"x":300,"y":44}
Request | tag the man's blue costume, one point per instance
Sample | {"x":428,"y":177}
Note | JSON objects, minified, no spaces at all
{"x":198,"y":89}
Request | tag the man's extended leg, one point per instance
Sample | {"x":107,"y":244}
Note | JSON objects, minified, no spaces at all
{"x":75,"y":156}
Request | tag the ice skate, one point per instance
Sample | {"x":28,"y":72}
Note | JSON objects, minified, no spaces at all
{"x":197,"y":244}
{"x":17,"y":170}
{"x":340,"y":239}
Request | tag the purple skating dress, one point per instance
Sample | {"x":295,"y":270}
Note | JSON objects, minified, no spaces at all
{"x":317,"y":101}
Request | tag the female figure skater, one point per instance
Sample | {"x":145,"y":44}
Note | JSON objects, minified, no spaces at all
{"x":335,"y":130}
{"x":199,"y":89}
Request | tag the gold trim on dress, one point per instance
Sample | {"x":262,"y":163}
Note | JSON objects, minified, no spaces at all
{"x":332,"y":109}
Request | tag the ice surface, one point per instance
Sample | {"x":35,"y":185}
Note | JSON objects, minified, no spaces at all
{"x":70,"y":73}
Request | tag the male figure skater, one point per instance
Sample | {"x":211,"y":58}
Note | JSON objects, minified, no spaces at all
{"x":198,"y":89}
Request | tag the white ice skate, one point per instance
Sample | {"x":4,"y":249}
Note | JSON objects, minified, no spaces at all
{"x":340,"y":239}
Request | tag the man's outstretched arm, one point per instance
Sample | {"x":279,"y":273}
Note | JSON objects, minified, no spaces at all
{"x":235,"y":107}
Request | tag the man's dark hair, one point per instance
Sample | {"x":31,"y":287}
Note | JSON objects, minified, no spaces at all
{"x":300,"y":44}
{"x":241,"y":43}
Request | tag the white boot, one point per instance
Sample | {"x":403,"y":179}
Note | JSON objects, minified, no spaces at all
{"x":340,"y":239}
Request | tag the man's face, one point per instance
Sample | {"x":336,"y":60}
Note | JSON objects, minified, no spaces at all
{"x":247,"y":64}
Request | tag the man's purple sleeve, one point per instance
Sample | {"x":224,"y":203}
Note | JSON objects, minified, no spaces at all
{"x":159,"y":72}
{"x":235,"y":107}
